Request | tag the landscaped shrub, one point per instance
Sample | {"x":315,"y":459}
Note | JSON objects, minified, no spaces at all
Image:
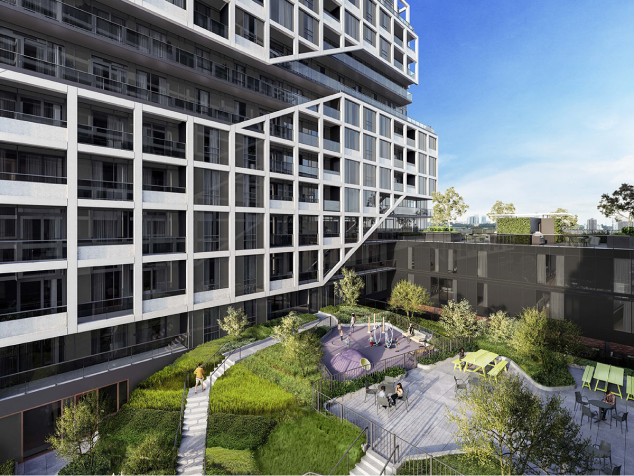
{"x":132,"y":426}
{"x":338,"y":388}
{"x":156,"y":399}
{"x":224,"y":461}
{"x":329,"y":309}
{"x":309,"y":443}
{"x":242,"y":392}
{"x":103,"y":463}
{"x":434,"y":357}
{"x":514,"y":225}
{"x":8,"y":467}
{"x":150,"y":457}
{"x":238,"y":432}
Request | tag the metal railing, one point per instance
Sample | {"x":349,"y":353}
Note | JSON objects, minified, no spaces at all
{"x":282,"y":197}
{"x":347,"y":453}
{"x":282,"y":239}
{"x":308,"y":275}
{"x":281,"y":276}
{"x":163,"y":244}
{"x":306,"y":239}
{"x":158,"y":294}
{"x":121,"y":240}
{"x":247,"y":35}
{"x":280,"y":167}
{"x":393,"y":455}
{"x":105,"y":306}
{"x":20,"y":116}
{"x":153,"y":145}
{"x":104,"y":190}
{"x":44,"y":311}
{"x":308,"y":198}
{"x":102,"y":137}
{"x":21,"y":177}
{"x":148,"y":187}
{"x":32,"y":250}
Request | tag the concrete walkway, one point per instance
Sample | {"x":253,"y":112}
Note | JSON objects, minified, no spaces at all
{"x":191,"y":452}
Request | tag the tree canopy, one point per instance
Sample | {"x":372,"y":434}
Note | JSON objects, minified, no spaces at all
{"x":619,"y":205}
{"x":409,"y":297}
{"x":569,"y":221}
{"x":460,"y":319}
{"x":448,"y":207}
{"x":235,"y":322}
{"x":348,"y":289}
{"x":500,"y":208}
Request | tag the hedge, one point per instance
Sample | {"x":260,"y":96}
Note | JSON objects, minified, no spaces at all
{"x":8,"y":467}
{"x":225,"y":461}
{"x":238,"y":432}
{"x":514,"y":225}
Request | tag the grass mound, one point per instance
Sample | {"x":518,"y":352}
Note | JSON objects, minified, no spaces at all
{"x":224,"y":461}
{"x":238,"y":432}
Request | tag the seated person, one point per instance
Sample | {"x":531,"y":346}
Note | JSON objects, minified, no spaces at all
{"x":398,"y":394}
{"x":461,"y":355}
{"x":382,"y":393}
{"x":609,"y":398}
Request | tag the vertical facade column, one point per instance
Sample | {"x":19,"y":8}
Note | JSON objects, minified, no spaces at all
{"x":232,"y":212}
{"x":72,"y":107}
{"x":137,"y":127}
{"x":189,"y":186}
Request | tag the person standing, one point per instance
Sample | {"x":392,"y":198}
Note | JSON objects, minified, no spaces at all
{"x":348,"y":342}
{"x":352,"y":321}
{"x":199,"y":373}
{"x":341,"y":335}
{"x":397,"y":344}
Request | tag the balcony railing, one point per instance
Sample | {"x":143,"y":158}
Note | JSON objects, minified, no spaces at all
{"x":210,"y":24}
{"x":211,"y":155}
{"x":332,"y":206}
{"x":308,"y":239}
{"x":411,"y":142}
{"x":398,"y":187}
{"x":412,"y":212}
{"x":210,"y":243}
{"x":308,"y":198}
{"x":105,"y":307}
{"x":153,"y":145}
{"x":282,"y":197}
{"x":209,"y":286}
{"x":398,"y":41}
{"x":18,"y":177}
{"x":281,"y":276}
{"x":308,"y":139}
{"x":163,"y":188}
{"x":32,"y":250}
{"x":411,"y":73}
{"x":280,"y":167}
{"x":45,"y":311}
{"x":247,"y":288}
{"x":20,"y":116}
{"x":163,"y":245}
{"x":51,"y":375}
{"x":104,"y":190}
{"x":104,"y":137}
{"x":308,"y":171}
{"x":331,"y":145}
{"x":161,"y":293}
{"x":247,"y":35}
{"x":305,"y":276}
{"x":331,"y":112}
{"x":283,"y":132}
{"x":282,"y":239}
{"x":127,"y":240}
{"x":352,"y":236}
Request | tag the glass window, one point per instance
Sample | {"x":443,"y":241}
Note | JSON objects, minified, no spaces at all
{"x":432,"y":186}
{"x":385,"y":178}
{"x":385,"y":21}
{"x":385,"y":126}
{"x":369,"y":116}
{"x":422,"y":185}
{"x":368,"y":9}
{"x":352,"y":172}
{"x":369,"y":198}
{"x":282,"y":13}
{"x":422,"y":141}
{"x":432,"y":166}
{"x":482,"y":264}
{"x":369,"y":151}
{"x":308,"y":27}
{"x":352,"y":200}
{"x":369,"y":175}
{"x":623,"y":316}
{"x":483,"y":292}
{"x":623,"y":273}
{"x":352,"y":113}
{"x":352,"y":139}
{"x":422,"y":163}
{"x":249,"y":27}
{"x":432,"y":143}
{"x":352,"y":26}
{"x":385,"y":49}
{"x":369,"y":35}
{"x":331,"y":226}
{"x":384,"y":149}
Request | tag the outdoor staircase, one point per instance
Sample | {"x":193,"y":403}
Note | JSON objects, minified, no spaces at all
{"x":191,"y":453}
{"x":372,"y":464}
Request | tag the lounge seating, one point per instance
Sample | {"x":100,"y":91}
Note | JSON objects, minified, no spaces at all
{"x":585,"y":411}
{"x":495,"y":371}
{"x":587,"y":376}
{"x":579,"y":400}
{"x":605,"y":451}
{"x":457,"y":364}
{"x":383,"y":402}
{"x":419,"y":337}
{"x":619,"y":417}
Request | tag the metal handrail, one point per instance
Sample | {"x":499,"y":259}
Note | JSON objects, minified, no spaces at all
{"x":180,"y":421}
{"x":388,"y":460}
{"x":347,"y":453}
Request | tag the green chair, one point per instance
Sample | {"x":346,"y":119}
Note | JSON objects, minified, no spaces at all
{"x":602,"y":374}
{"x":630,"y":388}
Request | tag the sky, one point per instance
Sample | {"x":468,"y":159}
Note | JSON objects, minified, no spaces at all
{"x":532,"y":100}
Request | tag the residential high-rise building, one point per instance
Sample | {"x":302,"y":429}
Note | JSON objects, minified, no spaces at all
{"x":161,"y":160}
{"x":473,"y":220}
{"x":591,"y":224}
{"x":483,"y":219}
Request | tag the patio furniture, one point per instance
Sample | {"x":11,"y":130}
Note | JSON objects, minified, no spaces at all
{"x":366,"y":364}
{"x":630,"y":387}
{"x":501,"y":365}
{"x":390,"y":388}
{"x":585,"y":411}
{"x":472,"y":357}
{"x":369,"y":391}
{"x":601,"y":374}
{"x":610,"y":470}
{"x":460,"y":385}
{"x":619,"y":417}
{"x":579,"y":400}
{"x":457,"y":364}
{"x":615,"y":377}
{"x":604,"y":451}
{"x":405,"y":397}
{"x":383,"y":402}
{"x":602,"y":405}
{"x":389,"y":379}
{"x":419,"y":337}
{"x":587,"y":377}
{"x":483,"y":361}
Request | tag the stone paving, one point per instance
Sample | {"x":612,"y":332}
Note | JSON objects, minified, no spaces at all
{"x":432,"y":392}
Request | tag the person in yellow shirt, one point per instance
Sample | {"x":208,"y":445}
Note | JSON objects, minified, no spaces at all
{"x":199,"y":378}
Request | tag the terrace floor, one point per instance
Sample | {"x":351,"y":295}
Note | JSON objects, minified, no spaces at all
{"x":431,"y":393}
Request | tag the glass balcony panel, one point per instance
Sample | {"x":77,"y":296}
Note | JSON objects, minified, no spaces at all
{"x":104,"y":137}
{"x":32,"y":250}
{"x":104,"y":190}
{"x":163,"y":245}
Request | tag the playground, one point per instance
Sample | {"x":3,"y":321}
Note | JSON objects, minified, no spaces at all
{"x":339,"y":358}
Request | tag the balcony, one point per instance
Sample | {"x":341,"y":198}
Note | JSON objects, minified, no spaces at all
{"x":398,"y":187}
{"x":283,"y":132}
{"x":210,"y":24}
{"x":32,"y":250}
{"x":308,"y":276}
{"x":20,"y":116}
{"x":331,"y":145}
{"x":411,"y":142}
{"x":412,"y":212}
{"x":332,"y":206}
{"x":14,"y":316}
{"x":331,"y":112}
{"x":163,"y":245}
{"x":104,"y":137}
{"x":104,"y":190}
{"x":308,"y":171}
{"x":168,"y":148}
{"x":248,"y":287}
{"x":278,"y":240}
{"x":411,"y":73}
{"x":280,"y":167}
{"x":308,"y":239}
{"x":282,"y":198}
{"x":105,"y":309}
{"x":309,"y":139}
{"x":332,"y":176}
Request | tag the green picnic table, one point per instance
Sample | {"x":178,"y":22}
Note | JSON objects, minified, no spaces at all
{"x":482,"y":361}
{"x":472,"y":357}
{"x":616,"y":378}
{"x":602,"y":374}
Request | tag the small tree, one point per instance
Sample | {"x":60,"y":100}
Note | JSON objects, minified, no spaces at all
{"x":348,"y":289}
{"x":501,"y":326}
{"x":530,"y":335}
{"x":305,"y":350}
{"x":500,"y":208}
{"x":523,"y":432}
{"x":409,"y":297}
{"x":567,"y":222}
{"x":448,"y":207}
{"x":235,"y":322}
{"x":289,"y":326}
{"x":459,"y":319}
{"x":563,"y":337}
{"x":76,"y":432}
{"x":620,"y":205}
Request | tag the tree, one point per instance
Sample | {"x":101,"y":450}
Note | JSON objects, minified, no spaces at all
{"x":305,"y":350}
{"x":459,"y":319}
{"x":148,"y":456}
{"x":448,"y":207}
{"x":348,"y":289}
{"x":567,"y":222}
{"x":500,"y":208}
{"x":501,"y":326}
{"x":288,"y":327}
{"x":523,"y":432}
{"x":235,"y":322}
{"x":563,"y":337}
{"x":409,"y":297}
{"x":530,"y":336}
{"x":76,"y":432}
{"x":620,"y":205}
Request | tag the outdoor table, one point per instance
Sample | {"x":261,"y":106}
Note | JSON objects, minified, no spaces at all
{"x":472,"y":357}
{"x":600,"y":404}
{"x":616,"y":377}
{"x":483,"y":361}
{"x":602,"y":373}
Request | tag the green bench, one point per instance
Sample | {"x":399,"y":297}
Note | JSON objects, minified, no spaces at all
{"x":457,"y":364}
{"x":630,"y":388}
{"x":587,"y":376}
{"x":495,"y":371}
